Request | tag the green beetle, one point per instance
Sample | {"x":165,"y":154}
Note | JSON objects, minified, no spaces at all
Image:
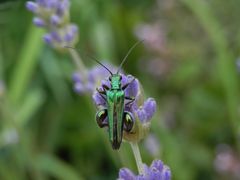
{"x":118,"y":119}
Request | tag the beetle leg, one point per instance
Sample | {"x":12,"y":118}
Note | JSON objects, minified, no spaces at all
{"x":131,"y":99}
{"x":100,"y":117}
{"x":105,"y":87}
{"x":126,"y":85}
{"x":101,"y":93}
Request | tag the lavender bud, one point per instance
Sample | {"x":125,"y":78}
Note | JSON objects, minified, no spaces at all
{"x":63,"y":6}
{"x":55,"y":20}
{"x":48,"y":39}
{"x":89,"y":86}
{"x":71,"y":33}
{"x":31,"y":6}
{"x":74,"y":28}
{"x":141,"y":115}
{"x":79,"y":88}
{"x":99,"y":101}
{"x":39,"y":22}
{"x":55,"y":36}
{"x":133,"y":87}
{"x":93,"y":78}
{"x":150,"y":107}
{"x":76,"y":77}
{"x":146,"y":112}
{"x":126,"y":174}
{"x":51,"y":4}
{"x":157,"y":164}
{"x":157,"y":171}
{"x":68,"y":37}
{"x":41,"y":2}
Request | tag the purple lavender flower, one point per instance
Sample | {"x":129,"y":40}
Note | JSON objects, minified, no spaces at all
{"x":53,"y":15}
{"x":227,"y":162}
{"x":157,"y":171}
{"x":31,"y":6}
{"x":141,"y":111}
{"x":146,"y":111}
{"x":38,"y":22}
{"x":152,"y":144}
{"x":94,"y":78}
{"x":154,"y":36}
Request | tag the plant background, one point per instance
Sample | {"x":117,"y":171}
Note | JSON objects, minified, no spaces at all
{"x":188,"y":63}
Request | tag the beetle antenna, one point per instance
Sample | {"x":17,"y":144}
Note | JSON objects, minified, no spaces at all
{"x":129,"y":51}
{"x":91,"y":57}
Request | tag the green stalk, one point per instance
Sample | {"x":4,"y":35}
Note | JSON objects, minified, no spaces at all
{"x":137,"y":156}
{"x":77,"y":60}
{"x":25,"y":65}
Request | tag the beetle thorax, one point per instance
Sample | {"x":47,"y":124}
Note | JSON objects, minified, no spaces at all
{"x":116,"y":81}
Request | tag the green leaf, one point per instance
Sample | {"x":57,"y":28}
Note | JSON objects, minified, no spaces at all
{"x":30,"y":105}
{"x":26,"y":64}
{"x":56,"y":168}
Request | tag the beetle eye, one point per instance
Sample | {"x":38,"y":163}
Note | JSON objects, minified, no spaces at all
{"x":100,"y":118}
{"x":120,"y":77}
{"x":128,"y":121}
{"x":110,"y":78}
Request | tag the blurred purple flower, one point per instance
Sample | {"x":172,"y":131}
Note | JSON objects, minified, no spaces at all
{"x":38,"y":22}
{"x":32,"y":6}
{"x":94,"y":79}
{"x":157,"y":67}
{"x":227,"y":162}
{"x":152,"y":145}
{"x":157,"y":171}
{"x":153,"y":35}
{"x":53,"y":15}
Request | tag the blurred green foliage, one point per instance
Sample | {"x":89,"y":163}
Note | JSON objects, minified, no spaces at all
{"x":49,"y":132}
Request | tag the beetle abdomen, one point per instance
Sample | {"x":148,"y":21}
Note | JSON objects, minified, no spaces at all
{"x":115,"y":103}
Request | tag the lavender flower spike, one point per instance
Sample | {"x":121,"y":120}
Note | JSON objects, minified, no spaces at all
{"x":126,"y":174}
{"x":31,"y":6}
{"x":39,"y":22}
{"x":157,"y":171}
{"x":141,"y":111}
{"x":94,"y":79}
{"x":54,"y":16}
{"x":146,"y":111}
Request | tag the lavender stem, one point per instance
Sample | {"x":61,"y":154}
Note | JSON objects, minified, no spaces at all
{"x":78,"y":62}
{"x":137,"y":155}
